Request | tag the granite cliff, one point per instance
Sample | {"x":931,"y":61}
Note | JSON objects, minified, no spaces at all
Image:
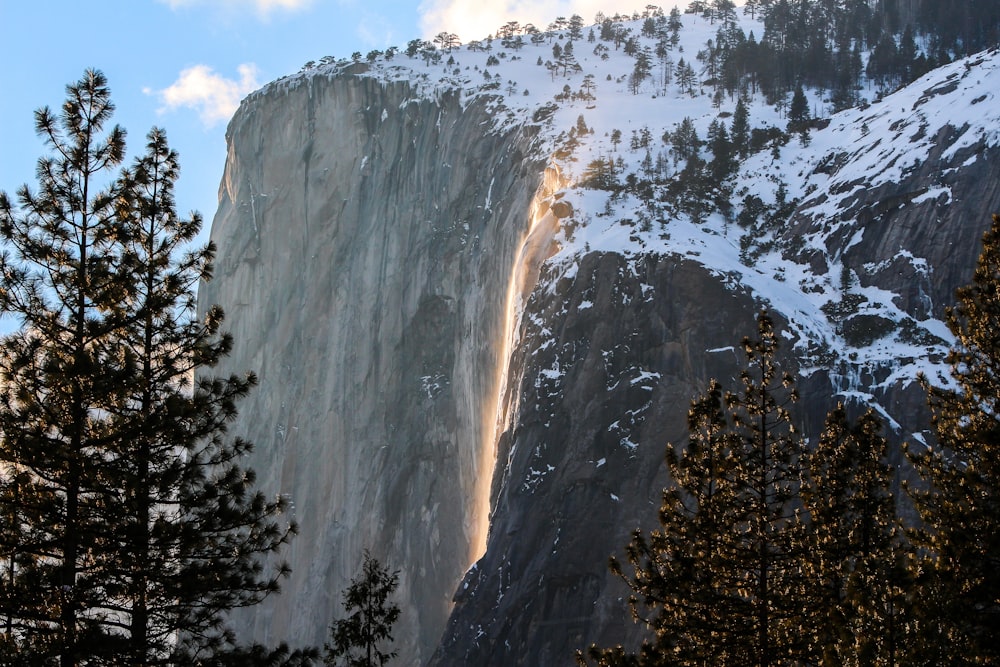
{"x":471,"y":366}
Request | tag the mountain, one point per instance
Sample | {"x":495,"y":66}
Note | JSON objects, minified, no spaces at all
{"x":480,"y":292}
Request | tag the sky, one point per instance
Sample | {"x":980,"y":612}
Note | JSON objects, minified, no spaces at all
{"x":184,"y":65}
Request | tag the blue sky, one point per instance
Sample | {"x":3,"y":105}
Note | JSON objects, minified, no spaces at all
{"x":184,"y":64}
{"x":181,"y":65}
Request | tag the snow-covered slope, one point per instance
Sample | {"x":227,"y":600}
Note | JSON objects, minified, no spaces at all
{"x":948,"y":112}
{"x":418,"y":262}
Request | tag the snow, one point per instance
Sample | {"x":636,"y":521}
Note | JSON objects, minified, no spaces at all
{"x":868,"y":146}
{"x":644,"y":377}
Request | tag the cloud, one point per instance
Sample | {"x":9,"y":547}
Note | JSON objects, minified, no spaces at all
{"x":475,"y":19}
{"x":213,"y":96}
{"x":263,"y":7}
{"x":374,"y":31}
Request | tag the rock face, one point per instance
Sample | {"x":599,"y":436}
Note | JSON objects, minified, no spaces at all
{"x":367,"y":239}
{"x":392,"y":267}
{"x":606,"y":366}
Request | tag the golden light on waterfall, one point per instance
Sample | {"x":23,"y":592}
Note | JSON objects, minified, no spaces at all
{"x":534,"y":248}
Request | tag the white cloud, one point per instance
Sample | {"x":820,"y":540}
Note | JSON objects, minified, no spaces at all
{"x":475,"y":19}
{"x":263,"y":7}
{"x":374,"y":31}
{"x":212,"y":95}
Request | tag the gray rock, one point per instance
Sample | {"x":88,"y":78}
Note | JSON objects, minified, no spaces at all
{"x":366,"y":239}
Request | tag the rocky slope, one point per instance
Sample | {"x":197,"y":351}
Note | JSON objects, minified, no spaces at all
{"x":406,"y":262}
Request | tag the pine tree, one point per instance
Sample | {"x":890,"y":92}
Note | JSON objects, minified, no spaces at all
{"x":723,"y":163}
{"x":722,"y":581}
{"x":684,"y":140}
{"x":883,"y":61}
{"x":189,"y":515}
{"x":641,"y":71}
{"x":357,"y":638}
{"x":678,"y":573}
{"x":685,"y":77}
{"x":961,"y":505}
{"x":140,"y":515}
{"x":770,"y":459}
{"x":858,"y":565}
{"x":798,"y":112}
{"x":59,"y":281}
{"x":751,"y":7}
{"x":18,"y":500}
{"x":740,"y":130}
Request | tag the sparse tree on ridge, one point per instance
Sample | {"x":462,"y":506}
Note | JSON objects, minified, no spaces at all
{"x":446,"y":41}
{"x":413,"y":47}
{"x":508,"y":30}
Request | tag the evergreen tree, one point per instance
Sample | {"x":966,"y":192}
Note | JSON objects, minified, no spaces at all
{"x":722,"y":581}
{"x":18,"y":504}
{"x":641,"y":71}
{"x":770,"y":459}
{"x":600,"y":174}
{"x":906,"y":56}
{"x":858,"y":565}
{"x":960,"y":580}
{"x":357,"y":638}
{"x":685,"y":77}
{"x":724,"y":10}
{"x":723,"y":162}
{"x":130,"y":502}
{"x":678,"y":573}
{"x":798,"y":112}
{"x":740,"y":130}
{"x":674,"y":25}
{"x":188,"y":517}
{"x":883,"y":62}
{"x":59,"y":280}
{"x":684,"y":140}
{"x":565,"y":58}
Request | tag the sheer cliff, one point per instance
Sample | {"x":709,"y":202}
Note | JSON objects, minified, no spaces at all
{"x":367,"y":238}
{"x":452,"y":333}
